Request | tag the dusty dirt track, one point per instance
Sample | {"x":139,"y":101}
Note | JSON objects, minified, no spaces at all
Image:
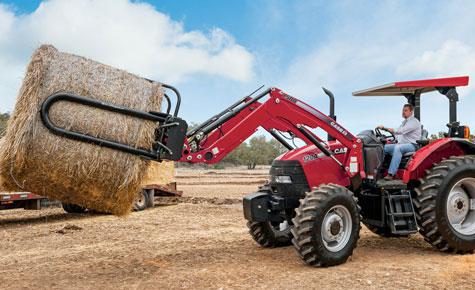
{"x":201,"y":242}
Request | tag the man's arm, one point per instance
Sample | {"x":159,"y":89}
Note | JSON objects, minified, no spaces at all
{"x":389,"y":129}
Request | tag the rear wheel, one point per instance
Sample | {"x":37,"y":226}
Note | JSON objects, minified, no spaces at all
{"x":73,"y":208}
{"x":326,"y":226}
{"x":445,"y":205}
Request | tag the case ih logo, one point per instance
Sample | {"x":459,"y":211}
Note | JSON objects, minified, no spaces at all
{"x":340,"y":150}
{"x":339,"y":128}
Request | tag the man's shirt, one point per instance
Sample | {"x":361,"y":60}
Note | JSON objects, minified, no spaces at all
{"x":409,"y":132}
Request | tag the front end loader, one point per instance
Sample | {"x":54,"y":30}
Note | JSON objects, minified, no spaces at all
{"x":319,"y":193}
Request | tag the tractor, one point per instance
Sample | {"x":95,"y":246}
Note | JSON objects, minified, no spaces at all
{"x":319,"y":193}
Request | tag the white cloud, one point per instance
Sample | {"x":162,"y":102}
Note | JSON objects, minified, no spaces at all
{"x":452,"y":58}
{"x":392,"y":43}
{"x":129,"y":35}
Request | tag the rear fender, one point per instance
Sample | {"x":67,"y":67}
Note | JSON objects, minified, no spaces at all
{"x":433,"y":153}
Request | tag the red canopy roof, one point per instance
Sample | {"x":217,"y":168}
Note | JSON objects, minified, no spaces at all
{"x":409,"y":87}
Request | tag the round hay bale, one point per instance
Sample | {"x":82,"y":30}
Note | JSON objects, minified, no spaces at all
{"x":160,"y":173}
{"x":33,"y":159}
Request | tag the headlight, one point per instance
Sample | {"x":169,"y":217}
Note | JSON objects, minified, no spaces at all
{"x":282,"y":179}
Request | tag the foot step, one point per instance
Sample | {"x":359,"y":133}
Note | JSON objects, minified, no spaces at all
{"x":402,"y":218}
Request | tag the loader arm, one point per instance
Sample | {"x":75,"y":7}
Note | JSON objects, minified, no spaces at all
{"x":281,"y":112}
{"x":211,"y":141}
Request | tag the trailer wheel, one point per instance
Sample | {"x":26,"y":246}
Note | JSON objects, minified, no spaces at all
{"x":73,"y":208}
{"x":445,"y":205}
{"x":141,"y":201}
{"x":326,"y":226}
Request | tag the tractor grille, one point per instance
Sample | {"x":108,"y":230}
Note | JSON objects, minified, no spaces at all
{"x":292,"y":168}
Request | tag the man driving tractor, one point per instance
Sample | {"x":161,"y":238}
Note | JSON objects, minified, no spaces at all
{"x":406,"y":135}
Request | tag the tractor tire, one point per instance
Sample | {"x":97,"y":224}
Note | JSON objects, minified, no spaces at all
{"x":269,"y":234}
{"x":141,"y":201}
{"x":73,"y":208}
{"x":384,"y":232}
{"x":443,"y":205}
{"x":326,"y":226}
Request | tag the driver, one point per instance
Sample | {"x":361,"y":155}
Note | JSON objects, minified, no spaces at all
{"x":406,"y":135}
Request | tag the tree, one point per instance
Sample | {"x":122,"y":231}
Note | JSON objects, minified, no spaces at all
{"x":439,"y":135}
{"x":257,"y":151}
{"x":238,"y":155}
{"x":3,"y":123}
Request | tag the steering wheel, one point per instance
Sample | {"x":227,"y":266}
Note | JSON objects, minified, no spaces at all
{"x":385,"y":138}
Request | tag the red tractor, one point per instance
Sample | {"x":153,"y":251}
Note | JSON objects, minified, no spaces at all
{"x":319,"y":193}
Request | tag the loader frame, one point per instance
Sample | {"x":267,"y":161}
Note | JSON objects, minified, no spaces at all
{"x":211,"y":141}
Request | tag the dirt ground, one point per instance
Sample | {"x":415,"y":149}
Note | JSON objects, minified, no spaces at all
{"x":200,"y":242}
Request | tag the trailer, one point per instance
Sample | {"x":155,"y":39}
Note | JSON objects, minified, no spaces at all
{"x":150,"y":192}
{"x":25,"y":200}
{"x":145,"y":198}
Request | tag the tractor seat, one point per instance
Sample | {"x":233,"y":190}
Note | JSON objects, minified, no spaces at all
{"x":407,"y":156}
{"x":424,"y":141}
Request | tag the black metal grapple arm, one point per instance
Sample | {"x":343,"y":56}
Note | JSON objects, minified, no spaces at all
{"x":169,"y":133}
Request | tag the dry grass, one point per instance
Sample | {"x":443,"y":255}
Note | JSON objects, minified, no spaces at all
{"x":33,"y":159}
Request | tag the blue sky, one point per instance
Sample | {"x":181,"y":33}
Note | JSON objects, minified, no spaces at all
{"x":231,"y":47}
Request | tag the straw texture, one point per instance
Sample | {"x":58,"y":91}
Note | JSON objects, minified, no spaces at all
{"x":160,"y":173}
{"x":33,"y":159}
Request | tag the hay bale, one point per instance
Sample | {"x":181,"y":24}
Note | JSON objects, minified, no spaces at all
{"x":160,"y":173}
{"x":33,"y":159}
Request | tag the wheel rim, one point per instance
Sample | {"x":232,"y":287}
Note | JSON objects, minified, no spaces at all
{"x":140,"y":201}
{"x":336,"y":228}
{"x":461,"y":206}
{"x":281,"y":227}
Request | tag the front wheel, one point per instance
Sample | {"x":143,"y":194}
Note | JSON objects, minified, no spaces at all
{"x":271,"y":234}
{"x":326,"y":226}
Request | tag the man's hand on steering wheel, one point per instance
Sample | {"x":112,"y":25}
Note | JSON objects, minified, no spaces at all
{"x":385,"y":138}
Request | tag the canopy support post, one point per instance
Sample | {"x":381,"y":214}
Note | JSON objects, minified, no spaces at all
{"x":415,"y":100}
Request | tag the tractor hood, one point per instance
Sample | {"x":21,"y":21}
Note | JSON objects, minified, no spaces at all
{"x":317,"y":167}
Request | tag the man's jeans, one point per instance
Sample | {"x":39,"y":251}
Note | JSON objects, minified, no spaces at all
{"x":397,"y":150}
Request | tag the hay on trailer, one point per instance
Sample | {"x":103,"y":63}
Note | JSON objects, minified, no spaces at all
{"x":33,"y":159}
{"x":160,"y":173}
